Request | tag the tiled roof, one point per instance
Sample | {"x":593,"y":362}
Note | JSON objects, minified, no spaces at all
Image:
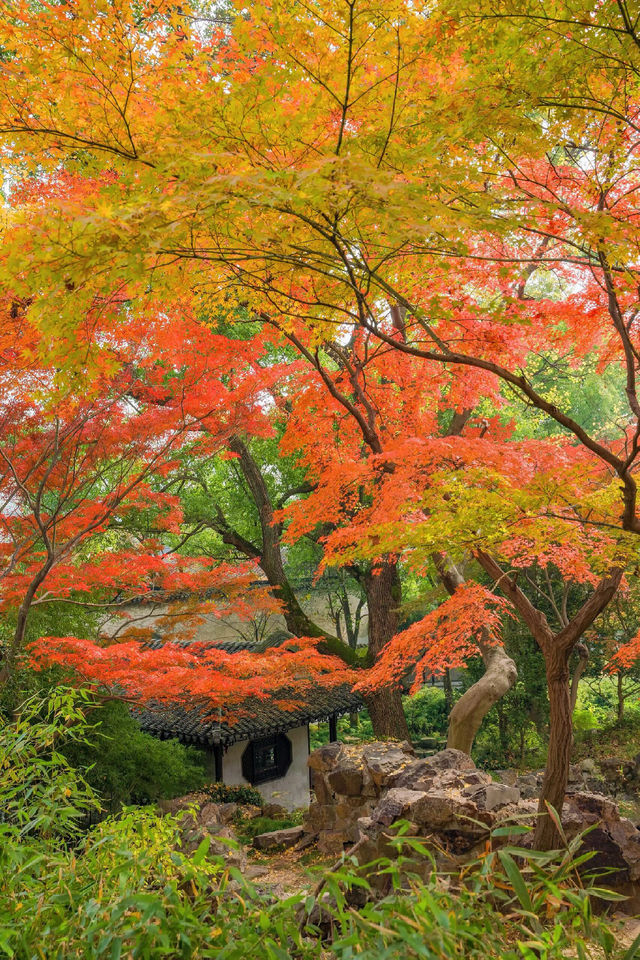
{"x":258,"y":717}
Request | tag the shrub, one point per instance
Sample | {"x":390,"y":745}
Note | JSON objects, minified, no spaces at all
{"x":40,"y":794}
{"x":221,"y":793}
{"x":127,"y":890}
{"x":512,"y":904}
{"x":426,"y":713}
{"x":125,"y":765}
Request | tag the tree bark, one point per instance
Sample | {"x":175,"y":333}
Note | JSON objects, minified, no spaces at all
{"x":465,"y":719}
{"x":14,"y":649}
{"x":556,"y":774}
{"x":468,"y":713}
{"x":556,"y":649}
{"x":382,"y":588}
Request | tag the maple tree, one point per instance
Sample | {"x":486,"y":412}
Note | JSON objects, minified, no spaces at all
{"x":487,"y":514}
{"x":293,"y":227}
{"x":197,"y":674}
{"x":375,"y":410}
{"x":265,"y":544}
{"x":86,"y":494}
{"x":317,"y":189}
{"x":79,"y":457}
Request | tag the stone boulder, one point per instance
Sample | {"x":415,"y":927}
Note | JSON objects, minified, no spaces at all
{"x":325,"y":758}
{"x":202,"y":818}
{"x":287,"y":837}
{"x":346,"y":778}
{"x":614,"y":840}
{"x":495,"y":796}
{"x":371,"y":786}
{"x":384,"y":760}
{"x":363,"y":791}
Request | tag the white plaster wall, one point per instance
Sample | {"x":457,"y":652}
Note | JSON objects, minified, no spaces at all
{"x":205,"y":626}
{"x":292,"y":790}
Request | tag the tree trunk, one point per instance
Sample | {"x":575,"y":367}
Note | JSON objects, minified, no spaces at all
{"x":270,"y":559}
{"x":14,"y":649}
{"x":382,"y":588}
{"x":556,"y":774}
{"x":387,"y":714}
{"x":556,"y":649}
{"x":468,"y":713}
{"x":465,"y":719}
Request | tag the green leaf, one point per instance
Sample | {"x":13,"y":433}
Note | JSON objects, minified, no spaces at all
{"x":516,"y":830}
{"x":202,"y":851}
{"x":516,"y":879}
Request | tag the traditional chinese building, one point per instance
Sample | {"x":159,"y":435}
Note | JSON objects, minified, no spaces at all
{"x":267,"y":747}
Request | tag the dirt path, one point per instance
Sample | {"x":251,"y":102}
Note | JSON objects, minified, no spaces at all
{"x":285,"y":873}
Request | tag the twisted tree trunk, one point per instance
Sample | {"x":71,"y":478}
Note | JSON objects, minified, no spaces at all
{"x":470,"y":710}
{"x":465,"y":719}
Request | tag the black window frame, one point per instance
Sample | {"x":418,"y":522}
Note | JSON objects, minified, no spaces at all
{"x":255,"y":771}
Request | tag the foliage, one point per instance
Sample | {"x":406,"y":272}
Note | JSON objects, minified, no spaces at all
{"x":361,"y":731}
{"x":181,"y":673}
{"x":426,"y":712}
{"x":76,"y":467}
{"x":509,"y":895}
{"x":609,"y":736}
{"x":124,"y":765}
{"x":447,"y":231}
{"x":41,"y":792}
{"x":127,"y":889}
{"x":223,"y":793}
{"x":443,"y":638}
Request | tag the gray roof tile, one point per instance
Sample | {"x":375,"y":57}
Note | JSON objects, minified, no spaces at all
{"x":259,"y":718}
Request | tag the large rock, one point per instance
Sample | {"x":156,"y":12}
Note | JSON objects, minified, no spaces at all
{"x":398,"y":804}
{"x":384,"y":760}
{"x":529,"y":785}
{"x":363,"y":791}
{"x":286,"y":837}
{"x":320,"y":787}
{"x":613,"y":840}
{"x":346,"y":778}
{"x":373,"y":786}
{"x":274,"y":810}
{"x":493,"y":796}
{"x":222,"y":841}
{"x":324,"y":758}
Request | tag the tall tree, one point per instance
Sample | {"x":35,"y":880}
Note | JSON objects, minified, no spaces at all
{"x":80,"y":454}
{"x":357,"y":166}
{"x":375,"y":407}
